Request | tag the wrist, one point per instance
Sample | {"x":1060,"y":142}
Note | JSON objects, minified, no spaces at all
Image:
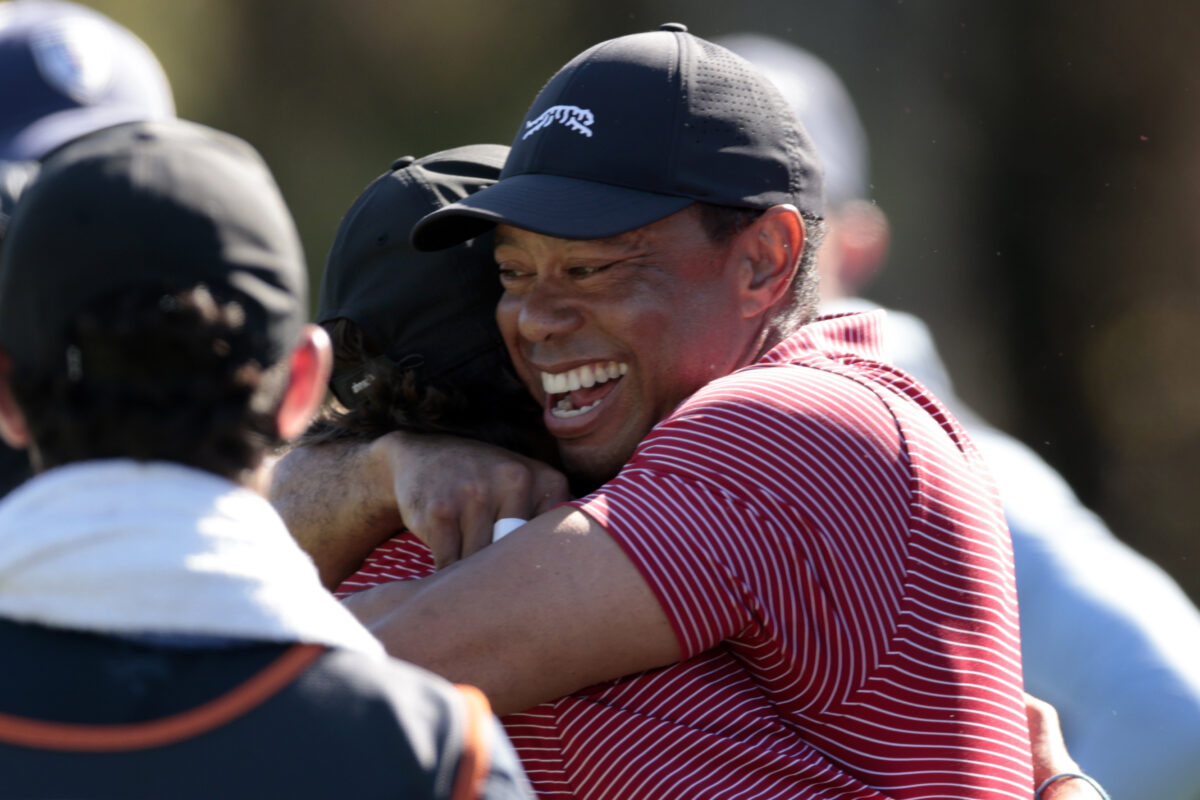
{"x":1066,"y":785}
{"x":381,"y":462}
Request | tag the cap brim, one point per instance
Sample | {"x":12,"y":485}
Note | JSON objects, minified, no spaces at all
{"x":37,"y":140}
{"x":566,"y":208}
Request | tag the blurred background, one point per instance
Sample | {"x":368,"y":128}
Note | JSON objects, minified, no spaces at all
{"x":1039,"y":161}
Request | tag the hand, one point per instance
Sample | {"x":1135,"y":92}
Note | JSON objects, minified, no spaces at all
{"x":450,"y":491}
{"x":1050,"y":756}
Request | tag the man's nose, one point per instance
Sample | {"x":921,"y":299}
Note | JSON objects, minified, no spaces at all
{"x":547,"y":311}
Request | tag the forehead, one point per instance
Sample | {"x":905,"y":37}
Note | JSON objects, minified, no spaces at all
{"x":672,"y":230}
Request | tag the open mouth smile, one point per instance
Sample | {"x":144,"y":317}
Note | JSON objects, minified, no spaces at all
{"x":581,"y":389}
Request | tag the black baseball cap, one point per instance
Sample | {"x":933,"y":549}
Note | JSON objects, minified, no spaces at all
{"x":430,"y":312}
{"x":150,"y":205}
{"x":634,"y":129}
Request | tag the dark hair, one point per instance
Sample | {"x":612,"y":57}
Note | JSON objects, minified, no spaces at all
{"x":154,"y":376}
{"x":489,"y":404}
{"x":723,"y":223}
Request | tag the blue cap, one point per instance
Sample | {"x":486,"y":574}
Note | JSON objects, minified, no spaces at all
{"x":68,"y":71}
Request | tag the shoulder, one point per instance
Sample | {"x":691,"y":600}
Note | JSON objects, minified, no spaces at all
{"x":771,"y":413}
{"x":414,"y":719}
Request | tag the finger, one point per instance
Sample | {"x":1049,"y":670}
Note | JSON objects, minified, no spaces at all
{"x":475,"y":527}
{"x":440,"y":532}
{"x":513,"y":483}
{"x":550,"y":488}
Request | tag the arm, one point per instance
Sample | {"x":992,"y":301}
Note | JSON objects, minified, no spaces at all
{"x":335,"y":505}
{"x":552,"y":608}
{"x":342,"y":499}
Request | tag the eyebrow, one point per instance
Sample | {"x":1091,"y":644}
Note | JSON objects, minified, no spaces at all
{"x":623,"y":240}
{"x":500,"y":238}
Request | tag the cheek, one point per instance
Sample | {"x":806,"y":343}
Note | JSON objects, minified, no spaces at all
{"x":507,"y":313}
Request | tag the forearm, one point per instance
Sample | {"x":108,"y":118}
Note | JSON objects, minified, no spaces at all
{"x":552,"y":608}
{"x":335,"y":504}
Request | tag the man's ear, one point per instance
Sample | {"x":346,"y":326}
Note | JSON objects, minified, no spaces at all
{"x":768,"y":251}
{"x":13,"y":427}
{"x":861,"y":235}
{"x":311,"y":362}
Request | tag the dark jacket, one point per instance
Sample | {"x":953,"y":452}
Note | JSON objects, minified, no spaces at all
{"x":335,"y":724}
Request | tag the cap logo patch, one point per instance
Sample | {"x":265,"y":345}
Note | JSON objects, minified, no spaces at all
{"x":577,"y":119}
{"x":75,"y":56}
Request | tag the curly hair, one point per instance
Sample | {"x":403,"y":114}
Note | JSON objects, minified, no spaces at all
{"x":155,"y":376}
{"x":488,"y":405}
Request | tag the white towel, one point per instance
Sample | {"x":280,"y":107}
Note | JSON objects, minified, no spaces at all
{"x":128,"y":548}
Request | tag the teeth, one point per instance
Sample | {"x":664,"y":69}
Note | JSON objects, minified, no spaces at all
{"x":564,"y":410}
{"x":582,"y":377}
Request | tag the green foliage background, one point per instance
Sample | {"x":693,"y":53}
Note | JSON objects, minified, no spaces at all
{"x":1039,"y":162}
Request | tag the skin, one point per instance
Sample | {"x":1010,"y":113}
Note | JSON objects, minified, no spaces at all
{"x":449,"y":492}
{"x":1050,"y":756}
{"x":557,"y":606}
{"x":556,"y":313}
{"x":638,"y":299}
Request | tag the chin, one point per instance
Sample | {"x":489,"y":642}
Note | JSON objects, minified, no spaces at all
{"x":588,"y":471}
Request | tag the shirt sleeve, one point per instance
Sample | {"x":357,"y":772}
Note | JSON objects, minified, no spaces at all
{"x":769,"y":512}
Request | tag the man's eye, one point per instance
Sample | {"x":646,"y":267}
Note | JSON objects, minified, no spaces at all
{"x":583,"y":272}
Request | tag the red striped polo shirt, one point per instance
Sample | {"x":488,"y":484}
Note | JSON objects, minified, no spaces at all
{"x":835,"y":564}
{"x":401,"y":558}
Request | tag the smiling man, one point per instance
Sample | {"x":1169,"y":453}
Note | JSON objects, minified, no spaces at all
{"x":793,"y":579}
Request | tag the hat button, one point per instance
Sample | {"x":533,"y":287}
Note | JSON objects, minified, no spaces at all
{"x":402,"y":162}
{"x":674,"y":27}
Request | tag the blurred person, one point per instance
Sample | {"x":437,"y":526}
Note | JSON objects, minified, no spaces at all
{"x":1107,"y":637}
{"x":740,"y":608}
{"x":164,"y":636}
{"x":67,"y":70}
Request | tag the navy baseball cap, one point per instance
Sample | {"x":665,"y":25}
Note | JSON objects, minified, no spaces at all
{"x":14,"y":177}
{"x":163,"y":205}
{"x":430,"y":312}
{"x":66,"y":70}
{"x":634,"y":129}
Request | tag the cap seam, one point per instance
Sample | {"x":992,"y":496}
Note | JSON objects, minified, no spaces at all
{"x":677,"y":74}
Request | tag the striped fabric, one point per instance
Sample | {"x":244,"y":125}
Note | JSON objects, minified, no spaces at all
{"x":401,"y":558}
{"x":835,"y":564}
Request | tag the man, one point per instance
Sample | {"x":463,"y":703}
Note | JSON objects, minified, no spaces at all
{"x":164,"y":637}
{"x":68,"y":71}
{"x":721,"y":617}
{"x":1107,"y":637}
